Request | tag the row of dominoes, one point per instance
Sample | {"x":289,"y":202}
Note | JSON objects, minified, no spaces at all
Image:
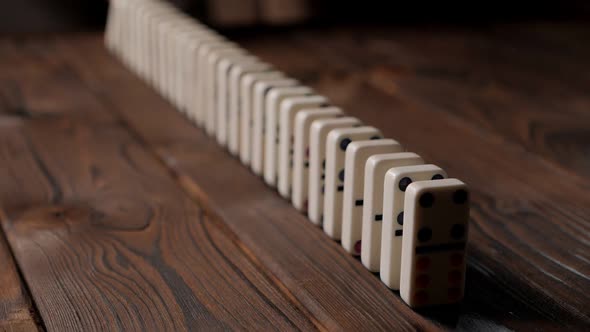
{"x":403,"y":217}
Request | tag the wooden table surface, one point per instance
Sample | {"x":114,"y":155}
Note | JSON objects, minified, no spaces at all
{"x":118,"y":213}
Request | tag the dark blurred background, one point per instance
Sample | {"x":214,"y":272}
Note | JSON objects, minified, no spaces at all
{"x":42,"y":16}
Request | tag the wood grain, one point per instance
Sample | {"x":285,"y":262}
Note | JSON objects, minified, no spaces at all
{"x":16,"y":309}
{"x":107,"y":240}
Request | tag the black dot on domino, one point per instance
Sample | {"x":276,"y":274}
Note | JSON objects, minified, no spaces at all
{"x":457,"y":231}
{"x":344,"y":143}
{"x":400,"y":218}
{"x":426,"y":200}
{"x":341,"y":175}
{"x":404,"y":183}
{"x":375,"y":137}
{"x":460,"y":196}
{"x":424,"y":234}
{"x":437,"y":177}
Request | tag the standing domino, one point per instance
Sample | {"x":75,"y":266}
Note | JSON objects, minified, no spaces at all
{"x":396,"y":181}
{"x":436,"y":216}
{"x":272,"y":128}
{"x":336,"y":146}
{"x":375,"y":171}
{"x":354,"y":179}
{"x":287,"y":111}
{"x":221,"y":106}
{"x":197,"y":75}
{"x":247,"y":109}
{"x":206,"y":83}
{"x":318,"y":136}
{"x":261,"y":90}
{"x":235,"y":77}
{"x":301,"y":154}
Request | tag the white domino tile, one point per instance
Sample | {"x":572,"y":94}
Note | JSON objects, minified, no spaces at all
{"x":222,"y":94}
{"x":356,"y":157}
{"x":247,"y":110}
{"x":274,"y":98}
{"x":288,"y":109}
{"x":436,"y":217}
{"x":302,"y":152}
{"x":236,"y":74}
{"x":318,"y":135}
{"x":375,"y":170}
{"x":336,"y":146}
{"x":396,"y":181}
{"x":261,"y":90}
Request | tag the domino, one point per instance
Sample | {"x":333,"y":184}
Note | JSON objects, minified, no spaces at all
{"x":235,"y":76}
{"x":202,"y":47}
{"x":167,"y":59}
{"x":111,"y":30}
{"x":396,"y":181}
{"x":125,"y":32}
{"x":318,"y":134}
{"x":160,"y":73}
{"x":272,"y":130}
{"x":336,"y":146}
{"x":355,"y":159}
{"x":152,"y":17}
{"x":183,"y":32}
{"x":193,"y":89}
{"x":115,"y":26}
{"x":288,"y":109}
{"x":136,"y":21}
{"x":186,"y":66}
{"x":370,"y":231}
{"x":261,"y":90}
{"x":223,"y":94}
{"x":206,"y":82}
{"x":301,"y":153}
{"x":436,"y":216}
{"x":247,"y":110}
{"x":142,"y":14}
{"x":211,"y":86}
{"x":177,"y":34}
{"x":194,"y":73}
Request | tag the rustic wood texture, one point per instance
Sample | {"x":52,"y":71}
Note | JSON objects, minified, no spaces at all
{"x":104,"y":236}
{"x":16,"y":310}
{"x":122,"y":214}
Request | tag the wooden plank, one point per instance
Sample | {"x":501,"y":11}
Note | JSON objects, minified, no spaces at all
{"x":107,"y":240}
{"x":529,"y":242}
{"x":16,"y":310}
{"x":334,"y":287}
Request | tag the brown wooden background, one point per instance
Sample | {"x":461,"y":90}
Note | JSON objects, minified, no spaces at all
{"x":117,"y":213}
